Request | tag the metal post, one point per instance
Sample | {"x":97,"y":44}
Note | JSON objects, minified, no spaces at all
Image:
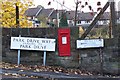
{"x":44,"y":58}
{"x":17,"y":25}
{"x":19,"y":55}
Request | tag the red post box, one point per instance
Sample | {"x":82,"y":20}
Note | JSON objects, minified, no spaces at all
{"x":64,"y":41}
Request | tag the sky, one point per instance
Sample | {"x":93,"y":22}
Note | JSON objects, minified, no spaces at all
{"x":70,"y":4}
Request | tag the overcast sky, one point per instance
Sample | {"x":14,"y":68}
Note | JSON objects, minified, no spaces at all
{"x":70,"y":4}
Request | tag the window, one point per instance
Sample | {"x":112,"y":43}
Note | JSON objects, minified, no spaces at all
{"x":79,"y":22}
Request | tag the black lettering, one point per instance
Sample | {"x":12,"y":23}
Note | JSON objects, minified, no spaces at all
{"x":28,"y":40}
{"x":21,"y":46}
{"x":14,"y":39}
{"x":18,"y":40}
{"x":21,"y":40}
{"x":43,"y":41}
{"x":29,"y":46}
{"x":46,"y":41}
{"x":39,"y":47}
{"x":25,"y":46}
{"x":33,"y":40}
{"x":36,"y":41}
{"x":44,"y":47}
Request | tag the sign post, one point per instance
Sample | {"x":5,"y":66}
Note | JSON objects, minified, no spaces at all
{"x":44,"y":58}
{"x":26,"y":43}
{"x":19,"y":55}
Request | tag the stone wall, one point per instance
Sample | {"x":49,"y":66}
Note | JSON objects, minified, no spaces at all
{"x":90,"y":59}
{"x":36,"y":57}
{"x":0,"y":44}
{"x":84,"y":59}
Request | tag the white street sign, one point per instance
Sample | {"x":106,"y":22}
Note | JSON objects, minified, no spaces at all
{"x":92,"y":43}
{"x":26,"y":43}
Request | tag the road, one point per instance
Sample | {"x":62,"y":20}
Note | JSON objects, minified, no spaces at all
{"x":16,"y":74}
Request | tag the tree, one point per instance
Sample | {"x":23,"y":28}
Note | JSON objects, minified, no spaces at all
{"x":99,"y":32}
{"x":43,"y":20}
{"x":63,"y":20}
{"x":8,"y":13}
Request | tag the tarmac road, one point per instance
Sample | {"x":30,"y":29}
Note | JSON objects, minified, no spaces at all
{"x":30,"y":75}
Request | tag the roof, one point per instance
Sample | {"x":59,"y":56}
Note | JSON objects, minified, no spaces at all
{"x":80,"y":16}
{"x":70,"y":15}
{"x":54,"y":14}
{"x":90,"y":15}
{"x":51,"y":13}
{"x":46,"y":12}
{"x":32,"y":12}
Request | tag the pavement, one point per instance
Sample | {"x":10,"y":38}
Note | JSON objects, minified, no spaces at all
{"x":17,"y":74}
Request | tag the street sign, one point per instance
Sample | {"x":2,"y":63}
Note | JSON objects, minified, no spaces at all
{"x":92,"y":43}
{"x":26,"y":43}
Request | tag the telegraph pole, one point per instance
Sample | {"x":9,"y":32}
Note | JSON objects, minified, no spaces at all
{"x":113,"y":18}
{"x":77,"y":2}
{"x":76,"y":13}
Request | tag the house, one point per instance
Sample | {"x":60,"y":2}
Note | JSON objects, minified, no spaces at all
{"x":52,"y":15}
{"x":85,"y":19}
{"x":32,"y":14}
